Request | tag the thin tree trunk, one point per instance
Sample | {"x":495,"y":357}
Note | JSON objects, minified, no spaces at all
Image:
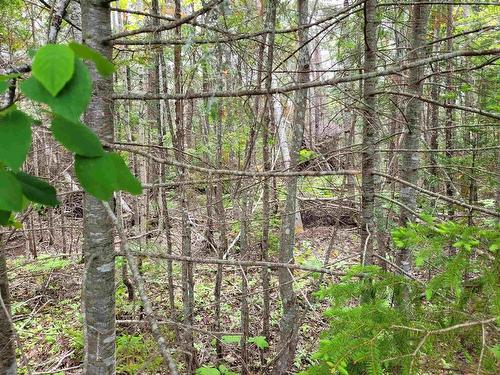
{"x":290,"y":321}
{"x":222,"y":246}
{"x":370,"y":135}
{"x":168,"y":224}
{"x":98,"y":294}
{"x":7,"y":347}
{"x":410,"y":161}
{"x":433,"y":141}
{"x":448,"y":133}
{"x":187,"y":267}
{"x":154,"y":115}
{"x":285,"y":155}
{"x":268,"y":117}
{"x":56,"y":19}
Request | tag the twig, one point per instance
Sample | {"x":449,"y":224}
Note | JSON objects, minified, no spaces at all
{"x":233,"y":263}
{"x":448,"y":329}
{"x":483,"y":345}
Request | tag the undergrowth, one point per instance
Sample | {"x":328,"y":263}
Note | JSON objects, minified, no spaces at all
{"x":445,"y":323}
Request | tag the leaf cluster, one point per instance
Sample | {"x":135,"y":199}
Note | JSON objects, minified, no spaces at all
{"x":61,"y":81}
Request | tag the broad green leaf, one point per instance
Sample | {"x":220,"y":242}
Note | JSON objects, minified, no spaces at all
{"x":231,"y":339}
{"x":207,"y":371}
{"x":96,"y":175}
{"x":103,"y":175}
{"x":11,"y":195}
{"x":4,"y":217}
{"x":37,"y":190}
{"x":428,"y":293}
{"x":4,"y":85}
{"x":259,"y":341}
{"x":76,"y":137}
{"x":103,"y":65}
{"x":72,"y":101}
{"x":125,"y":179}
{"x":496,"y":351}
{"x":53,"y":66}
{"x":225,"y":371}
{"x":4,"y":81}
{"x":15,"y":137}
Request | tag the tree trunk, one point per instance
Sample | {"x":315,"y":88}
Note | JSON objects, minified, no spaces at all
{"x":370,"y":135}
{"x":267,"y":118}
{"x":410,"y":160}
{"x":448,"y":133}
{"x":285,"y":155}
{"x":290,"y":320}
{"x":187,"y":267}
{"x":98,"y":294}
{"x":7,"y":347}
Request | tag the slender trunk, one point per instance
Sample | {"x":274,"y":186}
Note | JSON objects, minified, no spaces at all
{"x":268,"y":117}
{"x":222,"y":246}
{"x":187,"y":267}
{"x":448,"y":134}
{"x":290,"y":321}
{"x":168,"y":225}
{"x":433,"y":141}
{"x":410,"y":161}
{"x":7,"y":347}
{"x":370,"y":135}
{"x":56,"y":19}
{"x":98,"y":292}
{"x":285,"y":149}
{"x":245,"y":319}
{"x":154,"y":115}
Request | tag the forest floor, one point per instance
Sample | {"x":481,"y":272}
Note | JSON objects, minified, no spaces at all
{"x":47,"y":312}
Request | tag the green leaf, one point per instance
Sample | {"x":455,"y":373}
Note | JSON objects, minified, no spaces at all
{"x":4,"y":217}
{"x":37,"y":190}
{"x":342,"y":370}
{"x":72,"y":101}
{"x":207,"y":371}
{"x":259,"y":341}
{"x":15,"y":137}
{"x":428,"y":293}
{"x":11,"y":195}
{"x":496,"y":351}
{"x":53,"y":66}
{"x":125,"y":179}
{"x":7,"y":219}
{"x":4,"y":81}
{"x":230,"y":339}
{"x":4,"y":85}
{"x":103,"y":175}
{"x":103,"y":65}
{"x":225,"y":371}
{"x":76,"y":137}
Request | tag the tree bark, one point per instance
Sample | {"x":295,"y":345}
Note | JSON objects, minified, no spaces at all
{"x":370,"y":134}
{"x":98,"y":294}
{"x":266,"y":159}
{"x":448,"y":133}
{"x":56,"y":19}
{"x":187,"y":267}
{"x":7,"y":347}
{"x":413,"y":113}
{"x":290,"y":320}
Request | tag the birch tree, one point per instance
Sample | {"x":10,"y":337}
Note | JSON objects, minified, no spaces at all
{"x":98,"y":287}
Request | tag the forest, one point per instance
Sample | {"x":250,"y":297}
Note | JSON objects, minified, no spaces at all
{"x":222,"y":187}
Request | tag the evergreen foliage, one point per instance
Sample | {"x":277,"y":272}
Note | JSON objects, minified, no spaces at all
{"x":373,"y":336}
